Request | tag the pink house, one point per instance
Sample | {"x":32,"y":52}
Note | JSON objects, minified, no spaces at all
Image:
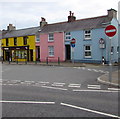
{"x":51,"y":45}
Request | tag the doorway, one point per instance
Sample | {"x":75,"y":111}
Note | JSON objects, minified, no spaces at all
{"x":68,"y":52}
{"x":31,"y":55}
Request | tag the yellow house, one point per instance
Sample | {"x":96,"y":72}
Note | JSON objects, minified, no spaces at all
{"x":19,"y":45}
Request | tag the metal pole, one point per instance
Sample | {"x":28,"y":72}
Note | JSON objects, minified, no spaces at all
{"x":73,"y":55}
{"x":110,"y":63}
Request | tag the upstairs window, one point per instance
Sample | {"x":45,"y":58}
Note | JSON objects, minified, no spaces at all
{"x":87,"y":51}
{"x":112,"y":50}
{"x":51,"y":37}
{"x":87,"y":34}
{"x":25,"y":40}
{"x":7,"y":42}
{"x":15,"y":41}
{"x":67,"y":36}
{"x":117,"y":49}
{"x":37,"y":38}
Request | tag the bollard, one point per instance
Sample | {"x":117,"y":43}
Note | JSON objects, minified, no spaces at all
{"x":58,"y":60}
{"x":46,"y":60}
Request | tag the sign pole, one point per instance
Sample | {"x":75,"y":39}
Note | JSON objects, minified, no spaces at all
{"x":73,"y":55}
{"x":110,"y":62}
{"x":110,"y":31}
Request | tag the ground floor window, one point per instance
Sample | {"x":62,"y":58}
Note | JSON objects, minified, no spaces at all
{"x":87,"y":51}
{"x":19,"y":54}
{"x":51,"y":50}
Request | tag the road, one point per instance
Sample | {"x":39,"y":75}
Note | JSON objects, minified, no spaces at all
{"x":43,"y":91}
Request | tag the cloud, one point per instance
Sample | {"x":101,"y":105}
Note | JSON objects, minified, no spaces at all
{"x":27,"y":14}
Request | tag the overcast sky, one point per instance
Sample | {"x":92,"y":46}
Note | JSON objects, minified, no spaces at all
{"x":28,"y":13}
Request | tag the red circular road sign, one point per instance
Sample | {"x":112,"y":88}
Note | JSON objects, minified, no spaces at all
{"x":110,"y":30}
{"x":73,"y":41}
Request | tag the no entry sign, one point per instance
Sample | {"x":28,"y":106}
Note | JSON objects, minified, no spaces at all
{"x":110,"y":30}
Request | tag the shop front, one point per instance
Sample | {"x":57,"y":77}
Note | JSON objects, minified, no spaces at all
{"x":17,"y":53}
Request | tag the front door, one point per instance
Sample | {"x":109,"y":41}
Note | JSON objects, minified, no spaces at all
{"x":7,"y":55}
{"x":68,"y":52}
{"x":31,"y":55}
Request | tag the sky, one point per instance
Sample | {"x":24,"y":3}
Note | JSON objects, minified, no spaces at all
{"x":28,"y":13}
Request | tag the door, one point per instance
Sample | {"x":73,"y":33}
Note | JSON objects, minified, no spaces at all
{"x":7,"y":55}
{"x":68,"y":52}
{"x":31,"y":55}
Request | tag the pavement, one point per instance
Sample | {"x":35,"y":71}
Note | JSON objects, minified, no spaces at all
{"x":115,"y":79}
{"x":104,"y":79}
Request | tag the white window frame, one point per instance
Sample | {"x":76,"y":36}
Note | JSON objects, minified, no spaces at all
{"x":67,"y":36}
{"x":87,"y":34}
{"x":118,"y":49}
{"x":85,"y":50}
{"x":50,"y":51}
{"x":51,"y":38}
{"x":112,"y":50}
{"x":37,"y":38}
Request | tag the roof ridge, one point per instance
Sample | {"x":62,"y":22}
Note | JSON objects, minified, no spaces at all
{"x":26,"y":28}
{"x":77,"y":20}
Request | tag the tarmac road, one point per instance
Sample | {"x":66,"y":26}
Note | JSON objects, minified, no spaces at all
{"x":37,"y":91}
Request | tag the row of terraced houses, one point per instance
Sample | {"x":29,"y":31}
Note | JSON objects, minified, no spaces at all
{"x":53,"y":41}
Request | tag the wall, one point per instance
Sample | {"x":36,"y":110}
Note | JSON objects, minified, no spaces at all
{"x":59,"y":47}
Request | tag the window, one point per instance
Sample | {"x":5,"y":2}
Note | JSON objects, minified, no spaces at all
{"x":37,"y":38}
{"x":117,"y":49}
{"x":51,"y":50}
{"x":51,"y":37}
{"x":87,"y":50}
{"x":112,"y":50}
{"x":7,"y":42}
{"x":25,"y":40}
{"x":15,"y":41}
{"x":67,"y":36}
{"x":87,"y":34}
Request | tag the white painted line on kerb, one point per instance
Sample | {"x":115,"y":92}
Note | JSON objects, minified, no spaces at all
{"x":54,"y":88}
{"x":90,"y":110}
{"x":101,"y":91}
{"x":26,"y":102}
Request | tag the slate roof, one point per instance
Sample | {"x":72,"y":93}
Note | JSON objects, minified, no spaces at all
{"x":21,"y":32}
{"x":89,"y":23}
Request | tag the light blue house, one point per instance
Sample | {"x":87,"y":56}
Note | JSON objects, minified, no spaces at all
{"x":92,"y":44}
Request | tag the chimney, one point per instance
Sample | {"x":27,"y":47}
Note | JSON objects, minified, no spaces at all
{"x":11,"y":27}
{"x":112,"y":13}
{"x":43,"y":22}
{"x":71,"y":17}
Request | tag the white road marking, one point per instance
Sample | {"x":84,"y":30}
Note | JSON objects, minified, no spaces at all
{"x":94,"y":86}
{"x":58,"y":84}
{"x":102,"y":91}
{"x":26,"y":102}
{"x":90,"y":110}
{"x":113,"y":89}
{"x":74,"y":85}
{"x":42,"y":82}
{"x":54,"y":88}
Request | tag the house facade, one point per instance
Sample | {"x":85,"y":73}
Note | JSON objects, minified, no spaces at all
{"x":91,"y":42}
{"x":19,"y":45}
